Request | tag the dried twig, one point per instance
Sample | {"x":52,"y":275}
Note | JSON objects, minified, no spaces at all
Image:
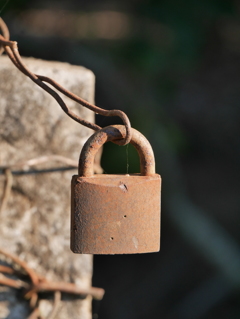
{"x":44,"y":159}
{"x":31,"y":273}
{"x":6,"y":270}
{"x":12,"y":282}
{"x":40,"y":284}
{"x":5,"y":32}
{"x":7,"y":190}
{"x":25,"y":165}
{"x":56,"y":305}
{"x":35,"y":314}
{"x":9,"y":282}
{"x":96,"y":293}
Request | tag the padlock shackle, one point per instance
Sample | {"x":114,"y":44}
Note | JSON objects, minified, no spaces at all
{"x":112,"y":133}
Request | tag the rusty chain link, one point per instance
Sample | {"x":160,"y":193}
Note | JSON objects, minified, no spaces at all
{"x":11,"y":50}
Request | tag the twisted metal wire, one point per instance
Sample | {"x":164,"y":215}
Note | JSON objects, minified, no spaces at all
{"x":11,"y":50}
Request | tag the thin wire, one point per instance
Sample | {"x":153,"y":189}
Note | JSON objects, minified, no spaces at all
{"x":5,"y":32}
{"x":4,"y":6}
{"x":11,"y":49}
{"x":24,"y":167}
{"x":127,"y":154}
{"x":7,"y":190}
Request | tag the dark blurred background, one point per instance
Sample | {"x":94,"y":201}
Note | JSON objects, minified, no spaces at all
{"x":174,"y":68}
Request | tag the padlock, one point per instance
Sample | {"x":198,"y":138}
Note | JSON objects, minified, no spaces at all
{"x":115,"y":214}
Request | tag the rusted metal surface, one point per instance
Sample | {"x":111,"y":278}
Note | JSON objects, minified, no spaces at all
{"x":114,"y":133}
{"x":11,"y":48}
{"x":115,"y":214}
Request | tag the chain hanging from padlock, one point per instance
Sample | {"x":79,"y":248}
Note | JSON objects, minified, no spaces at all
{"x":110,"y":214}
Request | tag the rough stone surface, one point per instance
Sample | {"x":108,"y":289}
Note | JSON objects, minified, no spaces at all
{"x":36,"y":222}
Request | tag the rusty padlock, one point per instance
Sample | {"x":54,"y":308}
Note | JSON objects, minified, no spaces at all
{"x":115,"y":214}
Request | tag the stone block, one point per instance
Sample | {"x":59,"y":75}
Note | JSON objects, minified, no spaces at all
{"x":36,"y":222}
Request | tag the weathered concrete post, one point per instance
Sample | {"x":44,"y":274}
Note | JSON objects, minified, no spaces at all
{"x":35,"y":225}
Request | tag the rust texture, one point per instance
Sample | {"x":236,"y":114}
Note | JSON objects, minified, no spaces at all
{"x":114,"y":133}
{"x":11,"y":49}
{"x":115,"y":214}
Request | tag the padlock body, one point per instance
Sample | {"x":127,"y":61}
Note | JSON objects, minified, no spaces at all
{"x":115,"y":214}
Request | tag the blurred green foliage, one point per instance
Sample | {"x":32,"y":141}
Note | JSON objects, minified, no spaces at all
{"x":189,"y":23}
{"x":16,"y":5}
{"x":160,"y":64}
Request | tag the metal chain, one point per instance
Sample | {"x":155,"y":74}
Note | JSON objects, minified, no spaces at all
{"x":11,"y":50}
